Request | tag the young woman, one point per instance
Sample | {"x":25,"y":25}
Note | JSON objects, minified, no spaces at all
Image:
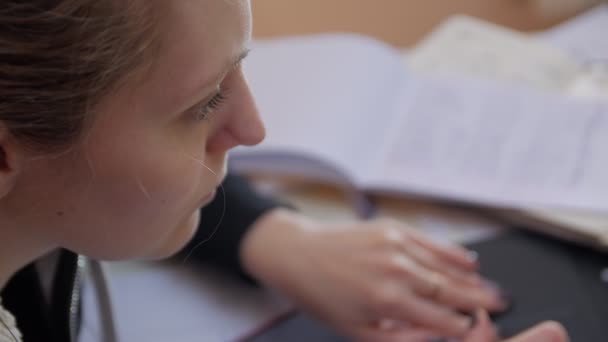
{"x":115,"y":121}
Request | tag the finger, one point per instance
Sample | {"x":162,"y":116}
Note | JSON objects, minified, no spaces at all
{"x":407,"y":334}
{"x":432,"y":261}
{"x":467,"y":298}
{"x":544,"y":332}
{"x":438,"y":288}
{"x":453,"y":254}
{"x":484,"y":330}
{"x":403,"y":305}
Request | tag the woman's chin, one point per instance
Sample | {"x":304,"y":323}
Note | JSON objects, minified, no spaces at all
{"x":179,"y":239}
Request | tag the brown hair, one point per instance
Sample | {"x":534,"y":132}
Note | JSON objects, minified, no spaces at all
{"x":58,"y":58}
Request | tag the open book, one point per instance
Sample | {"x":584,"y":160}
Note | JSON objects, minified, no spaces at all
{"x":343,"y":109}
{"x":571,"y":58}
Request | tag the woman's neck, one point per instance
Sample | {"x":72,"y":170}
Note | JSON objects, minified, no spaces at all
{"x":17,"y":249}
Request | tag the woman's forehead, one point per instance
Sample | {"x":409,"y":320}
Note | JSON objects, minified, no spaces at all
{"x":201,"y":38}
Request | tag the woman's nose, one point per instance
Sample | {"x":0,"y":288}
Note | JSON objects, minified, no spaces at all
{"x":242,"y":127}
{"x":247,"y":127}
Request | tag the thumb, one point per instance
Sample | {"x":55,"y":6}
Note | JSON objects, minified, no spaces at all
{"x":405,"y":333}
{"x":545,"y":332}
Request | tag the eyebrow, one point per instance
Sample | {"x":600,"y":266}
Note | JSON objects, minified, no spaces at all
{"x":233,"y":64}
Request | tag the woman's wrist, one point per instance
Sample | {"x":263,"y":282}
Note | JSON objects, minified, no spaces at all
{"x":271,"y":239}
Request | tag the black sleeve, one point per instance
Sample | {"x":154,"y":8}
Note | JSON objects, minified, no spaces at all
{"x":230,"y":215}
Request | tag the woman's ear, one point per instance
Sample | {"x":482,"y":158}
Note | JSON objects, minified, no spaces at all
{"x":10,"y":161}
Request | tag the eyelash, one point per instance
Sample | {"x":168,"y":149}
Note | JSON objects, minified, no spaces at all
{"x":204,"y":110}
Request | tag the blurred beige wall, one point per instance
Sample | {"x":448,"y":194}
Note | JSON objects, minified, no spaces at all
{"x":400,"y":22}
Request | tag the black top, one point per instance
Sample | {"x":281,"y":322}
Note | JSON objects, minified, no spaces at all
{"x":237,"y":206}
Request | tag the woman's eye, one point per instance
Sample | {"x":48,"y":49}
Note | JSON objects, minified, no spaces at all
{"x":205,"y":109}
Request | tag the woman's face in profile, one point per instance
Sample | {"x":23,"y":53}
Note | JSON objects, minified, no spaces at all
{"x":156,"y":151}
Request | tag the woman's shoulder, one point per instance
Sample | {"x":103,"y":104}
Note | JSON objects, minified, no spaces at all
{"x":8,"y":326}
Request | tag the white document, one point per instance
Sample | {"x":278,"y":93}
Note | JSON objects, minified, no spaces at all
{"x":349,"y":102}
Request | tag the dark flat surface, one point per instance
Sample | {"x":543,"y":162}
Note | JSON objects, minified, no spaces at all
{"x":546,"y":278}
{"x":549,"y":280}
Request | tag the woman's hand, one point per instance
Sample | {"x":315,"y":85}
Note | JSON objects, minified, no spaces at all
{"x":367,"y":278}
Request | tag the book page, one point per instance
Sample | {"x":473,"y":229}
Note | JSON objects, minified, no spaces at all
{"x":329,"y":97}
{"x":496,"y":145}
{"x":583,"y":37}
{"x":580,"y":39}
{"x":465,"y":45}
{"x":571,"y":58}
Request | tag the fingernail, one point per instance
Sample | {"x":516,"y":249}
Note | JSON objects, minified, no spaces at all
{"x":489,"y":284}
{"x":505,"y":298}
{"x":472,"y":256}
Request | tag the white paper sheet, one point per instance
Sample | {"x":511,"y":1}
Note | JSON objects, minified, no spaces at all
{"x":490,"y":144}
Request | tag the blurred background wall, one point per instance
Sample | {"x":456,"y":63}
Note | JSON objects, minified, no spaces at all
{"x":402,"y":22}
